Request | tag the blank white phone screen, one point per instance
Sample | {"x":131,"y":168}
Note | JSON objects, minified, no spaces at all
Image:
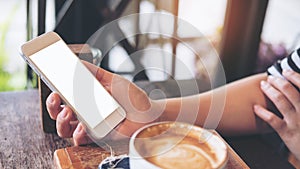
{"x":74,"y":82}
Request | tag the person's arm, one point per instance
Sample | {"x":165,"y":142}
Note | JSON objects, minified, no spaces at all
{"x":244,"y":99}
{"x":238,"y":115}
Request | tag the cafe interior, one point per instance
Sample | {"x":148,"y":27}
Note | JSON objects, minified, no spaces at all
{"x":168,"y":48}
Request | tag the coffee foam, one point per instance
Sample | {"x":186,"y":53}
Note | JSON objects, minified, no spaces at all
{"x":168,"y":145}
{"x":193,"y":157}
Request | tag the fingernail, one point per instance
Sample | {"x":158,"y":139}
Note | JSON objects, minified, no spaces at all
{"x":79,"y":129}
{"x":64,"y":113}
{"x":263,"y":84}
{"x":256,"y":107}
{"x":262,"y":114}
{"x":50,"y":100}
{"x":271,"y":78}
{"x":286,"y":72}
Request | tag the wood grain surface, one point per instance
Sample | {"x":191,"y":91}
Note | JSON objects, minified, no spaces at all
{"x":23,"y":144}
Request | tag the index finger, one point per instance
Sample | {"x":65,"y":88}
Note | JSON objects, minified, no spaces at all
{"x":292,"y":76}
{"x":53,"y":105}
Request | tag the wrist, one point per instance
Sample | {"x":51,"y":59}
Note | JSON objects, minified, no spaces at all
{"x":157,"y":111}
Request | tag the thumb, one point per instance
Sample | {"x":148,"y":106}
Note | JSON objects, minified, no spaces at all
{"x":103,"y":76}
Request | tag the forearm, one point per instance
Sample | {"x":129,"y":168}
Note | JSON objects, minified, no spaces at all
{"x":237,"y":116}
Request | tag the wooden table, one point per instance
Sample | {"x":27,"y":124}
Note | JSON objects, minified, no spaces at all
{"x":79,"y":157}
{"x":23,"y":144}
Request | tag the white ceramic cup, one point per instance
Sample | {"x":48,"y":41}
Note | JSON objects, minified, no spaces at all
{"x":176,"y":145}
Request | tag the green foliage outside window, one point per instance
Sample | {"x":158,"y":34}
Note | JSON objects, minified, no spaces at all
{"x":5,"y":76}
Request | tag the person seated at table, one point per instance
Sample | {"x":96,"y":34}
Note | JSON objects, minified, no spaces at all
{"x":245,"y":100}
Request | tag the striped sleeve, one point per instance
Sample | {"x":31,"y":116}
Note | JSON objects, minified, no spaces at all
{"x":292,"y":62}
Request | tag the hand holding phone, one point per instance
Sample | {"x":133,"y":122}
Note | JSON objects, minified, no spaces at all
{"x":63,"y":72}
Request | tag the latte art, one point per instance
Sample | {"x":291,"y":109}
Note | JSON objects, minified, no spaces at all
{"x":182,"y":156}
{"x":168,"y":147}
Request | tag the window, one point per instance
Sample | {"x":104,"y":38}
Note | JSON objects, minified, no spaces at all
{"x":282,"y":23}
{"x":206,"y":16}
{"x":13,"y":34}
{"x":281,"y":33}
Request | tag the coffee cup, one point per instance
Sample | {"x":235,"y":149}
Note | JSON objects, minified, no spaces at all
{"x":176,"y":145}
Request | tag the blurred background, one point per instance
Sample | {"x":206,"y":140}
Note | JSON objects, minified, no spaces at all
{"x":248,"y":35}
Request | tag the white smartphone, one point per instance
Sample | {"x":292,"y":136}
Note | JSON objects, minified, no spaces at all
{"x":62,"y":71}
